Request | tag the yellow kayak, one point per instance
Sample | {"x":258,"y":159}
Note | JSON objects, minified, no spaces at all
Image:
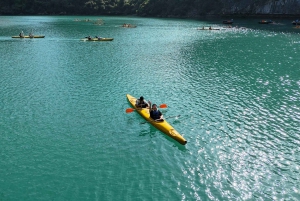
{"x":28,"y":37}
{"x":163,"y":126}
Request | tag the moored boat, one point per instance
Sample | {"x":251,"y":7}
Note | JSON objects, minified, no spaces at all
{"x":28,"y":36}
{"x":296,"y":22}
{"x":163,"y":126}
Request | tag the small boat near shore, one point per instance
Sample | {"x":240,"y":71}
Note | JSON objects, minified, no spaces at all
{"x":296,"y":22}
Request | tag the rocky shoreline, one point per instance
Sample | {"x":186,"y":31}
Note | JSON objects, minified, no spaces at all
{"x":274,"y":16}
{"x":194,"y":16}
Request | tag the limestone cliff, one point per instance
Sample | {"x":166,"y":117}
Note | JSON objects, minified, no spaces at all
{"x":290,"y":7}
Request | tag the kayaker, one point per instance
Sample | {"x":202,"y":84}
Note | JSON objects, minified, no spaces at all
{"x":155,"y":114}
{"x":141,"y":103}
{"x":21,"y":34}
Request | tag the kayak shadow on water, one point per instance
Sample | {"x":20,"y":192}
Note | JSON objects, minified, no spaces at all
{"x":149,"y":131}
{"x":145,"y":132}
{"x":154,"y":135}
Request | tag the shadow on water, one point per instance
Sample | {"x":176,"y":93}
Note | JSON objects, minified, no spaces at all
{"x":152,"y":132}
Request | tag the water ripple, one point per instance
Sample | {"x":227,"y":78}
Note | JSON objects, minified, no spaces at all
{"x":64,"y":126}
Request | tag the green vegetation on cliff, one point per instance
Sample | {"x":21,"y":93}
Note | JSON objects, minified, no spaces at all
{"x":163,"y":8}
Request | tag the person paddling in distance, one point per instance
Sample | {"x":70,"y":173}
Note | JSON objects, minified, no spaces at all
{"x":141,"y":103}
{"x":21,"y":34}
{"x":155,"y":114}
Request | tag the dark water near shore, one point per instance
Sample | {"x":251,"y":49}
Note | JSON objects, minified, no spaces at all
{"x":64,"y":133}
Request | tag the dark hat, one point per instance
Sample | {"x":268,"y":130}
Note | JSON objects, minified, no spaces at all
{"x":141,"y":98}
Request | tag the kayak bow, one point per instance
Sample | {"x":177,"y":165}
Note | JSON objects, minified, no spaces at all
{"x":163,"y":126}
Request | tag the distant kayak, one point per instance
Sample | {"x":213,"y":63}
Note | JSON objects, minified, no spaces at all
{"x":265,"y":22}
{"x":163,"y":126}
{"x":128,"y":26}
{"x":207,"y":29}
{"x":28,"y":37}
{"x":227,"y":21}
{"x":97,"y":39}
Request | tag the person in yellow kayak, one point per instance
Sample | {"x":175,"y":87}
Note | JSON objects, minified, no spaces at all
{"x":141,"y":103}
{"x":155,"y":114}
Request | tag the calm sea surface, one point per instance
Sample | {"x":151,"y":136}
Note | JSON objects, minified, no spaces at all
{"x":64,"y":133}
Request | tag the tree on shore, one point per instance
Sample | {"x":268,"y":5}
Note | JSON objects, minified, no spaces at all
{"x":163,"y":8}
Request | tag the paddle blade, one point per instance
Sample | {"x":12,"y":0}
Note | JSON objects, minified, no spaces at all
{"x":128,"y":110}
{"x":163,"y":105}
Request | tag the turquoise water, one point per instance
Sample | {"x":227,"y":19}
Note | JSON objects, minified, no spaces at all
{"x":64,"y":133}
